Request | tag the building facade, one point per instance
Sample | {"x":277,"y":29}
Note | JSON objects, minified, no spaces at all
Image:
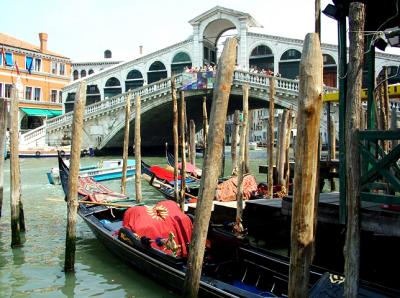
{"x":43,"y":76}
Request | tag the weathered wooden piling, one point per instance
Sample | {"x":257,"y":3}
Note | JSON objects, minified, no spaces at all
{"x":278,"y":134}
{"x":393,"y":122}
{"x":234,"y":142}
{"x":72,"y":197}
{"x":138,"y":150}
{"x":271,"y":136}
{"x":205,"y":125}
{"x":332,"y":148}
{"x":286,"y":176}
{"x":126,"y":143}
{"x":175,"y":136}
{"x":208,"y":185}
{"x":238,"y":228}
{"x":384,"y":110}
{"x":282,"y":148}
{"x":3,"y":125}
{"x":183,"y":152}
{"x":247,"y":140}
{"x":353,"y":120}
{"x":15,"y":179}
{"x":308,"y":122}
{"x":192,"y":142}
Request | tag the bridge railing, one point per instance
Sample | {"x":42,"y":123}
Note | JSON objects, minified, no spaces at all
{"x":253,"y":79}
{"x":116,"y":101}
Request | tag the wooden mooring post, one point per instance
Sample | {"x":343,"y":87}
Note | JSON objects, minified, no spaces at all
{"x":308,"y":121}
{"x":208,"y":185}
{"x":175,"y":136}
{"x":126,"y":143}
{"x":72,"y":197}
{"x":282,"y":148}
{"x":17,"y":217}
{"x":205,"y":125}
{"x":3,"y":125}
{"x":192,"y":142}
{"x":183,"y":152}
{"x":138,"y":150}
{"x":271,"y":136}
{"x":234,"y":142}
{"x":238,"y":228}
{"x":353,"y":171}
{"x":286,"y":176}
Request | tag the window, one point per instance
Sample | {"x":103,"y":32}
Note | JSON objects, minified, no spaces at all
{"x":1,"y":59}
{"x":60,"y":96}
{"x":7,"y":90}
{"x":28,"y":92}
{"x":9,"y":59}
{"x":62,"y":69}
{"x":54,"y":67}
{"x":38,"y":64}
{"x":76,"y":74}
{"x":1,"y":90}
{"x":53,"y":95}
{"x":28,"y":64}
{"x":37,"y":94}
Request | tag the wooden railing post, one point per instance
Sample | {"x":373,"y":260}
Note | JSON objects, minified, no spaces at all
{"x":224,"y":78}
{"x":305,"y":177}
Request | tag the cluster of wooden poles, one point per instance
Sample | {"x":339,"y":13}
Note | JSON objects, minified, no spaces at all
{"x":306,"y":190}
{"x":16,"y":206}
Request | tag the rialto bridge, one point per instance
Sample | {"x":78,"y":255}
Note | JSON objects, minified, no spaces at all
{"x":149,"y":76}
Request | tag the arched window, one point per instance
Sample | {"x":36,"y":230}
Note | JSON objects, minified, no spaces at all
{"x":393,"y":73}
{"x":134,"y":80}
{"x":107,"y":54}
{"x":112,"y":87}
{"x":92,"y":94}
{"x":76,"y":74}
{"x":330,"y":70}
{"x":83,"y":73}
{"x":157,"y":71}
{"x":289,"y":64}
{"x":91,"y":71}
{"x":180,"y":61}
{"x":261,"y":57}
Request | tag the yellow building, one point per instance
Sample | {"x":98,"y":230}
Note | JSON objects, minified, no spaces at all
{"x":43,"y":75}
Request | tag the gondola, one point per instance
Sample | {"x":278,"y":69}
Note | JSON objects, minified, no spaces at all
{"x":231,"y":267}
{"x":162,"y":180}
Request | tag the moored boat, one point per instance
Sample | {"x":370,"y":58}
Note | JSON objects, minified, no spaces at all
{"x":104,"y":170}
{"x":231,"y":267}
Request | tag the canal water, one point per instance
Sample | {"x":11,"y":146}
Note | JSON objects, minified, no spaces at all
{"x":35,"y":269}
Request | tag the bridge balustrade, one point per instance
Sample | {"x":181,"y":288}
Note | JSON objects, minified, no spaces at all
{"x":163,"y":86}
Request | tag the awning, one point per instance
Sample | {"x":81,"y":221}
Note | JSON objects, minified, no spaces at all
{"x":41,"y":112}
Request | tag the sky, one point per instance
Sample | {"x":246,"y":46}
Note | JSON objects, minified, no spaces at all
{"x":83,"y":29}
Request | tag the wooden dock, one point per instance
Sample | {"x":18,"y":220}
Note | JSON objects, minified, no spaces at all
{"x":374,"y":218}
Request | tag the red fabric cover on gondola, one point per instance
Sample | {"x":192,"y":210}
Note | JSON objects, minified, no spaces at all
{"x":158,"y":221}
{"x":95,"y":191}
{"x":162,"y":173}
{"x":226,"y":191}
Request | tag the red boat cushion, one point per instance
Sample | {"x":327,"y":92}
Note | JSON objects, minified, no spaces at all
{"x":158,"y":222}
{"x":162,"y":173}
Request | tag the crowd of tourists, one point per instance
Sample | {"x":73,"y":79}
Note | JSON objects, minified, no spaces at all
{"x":252,"y":69}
